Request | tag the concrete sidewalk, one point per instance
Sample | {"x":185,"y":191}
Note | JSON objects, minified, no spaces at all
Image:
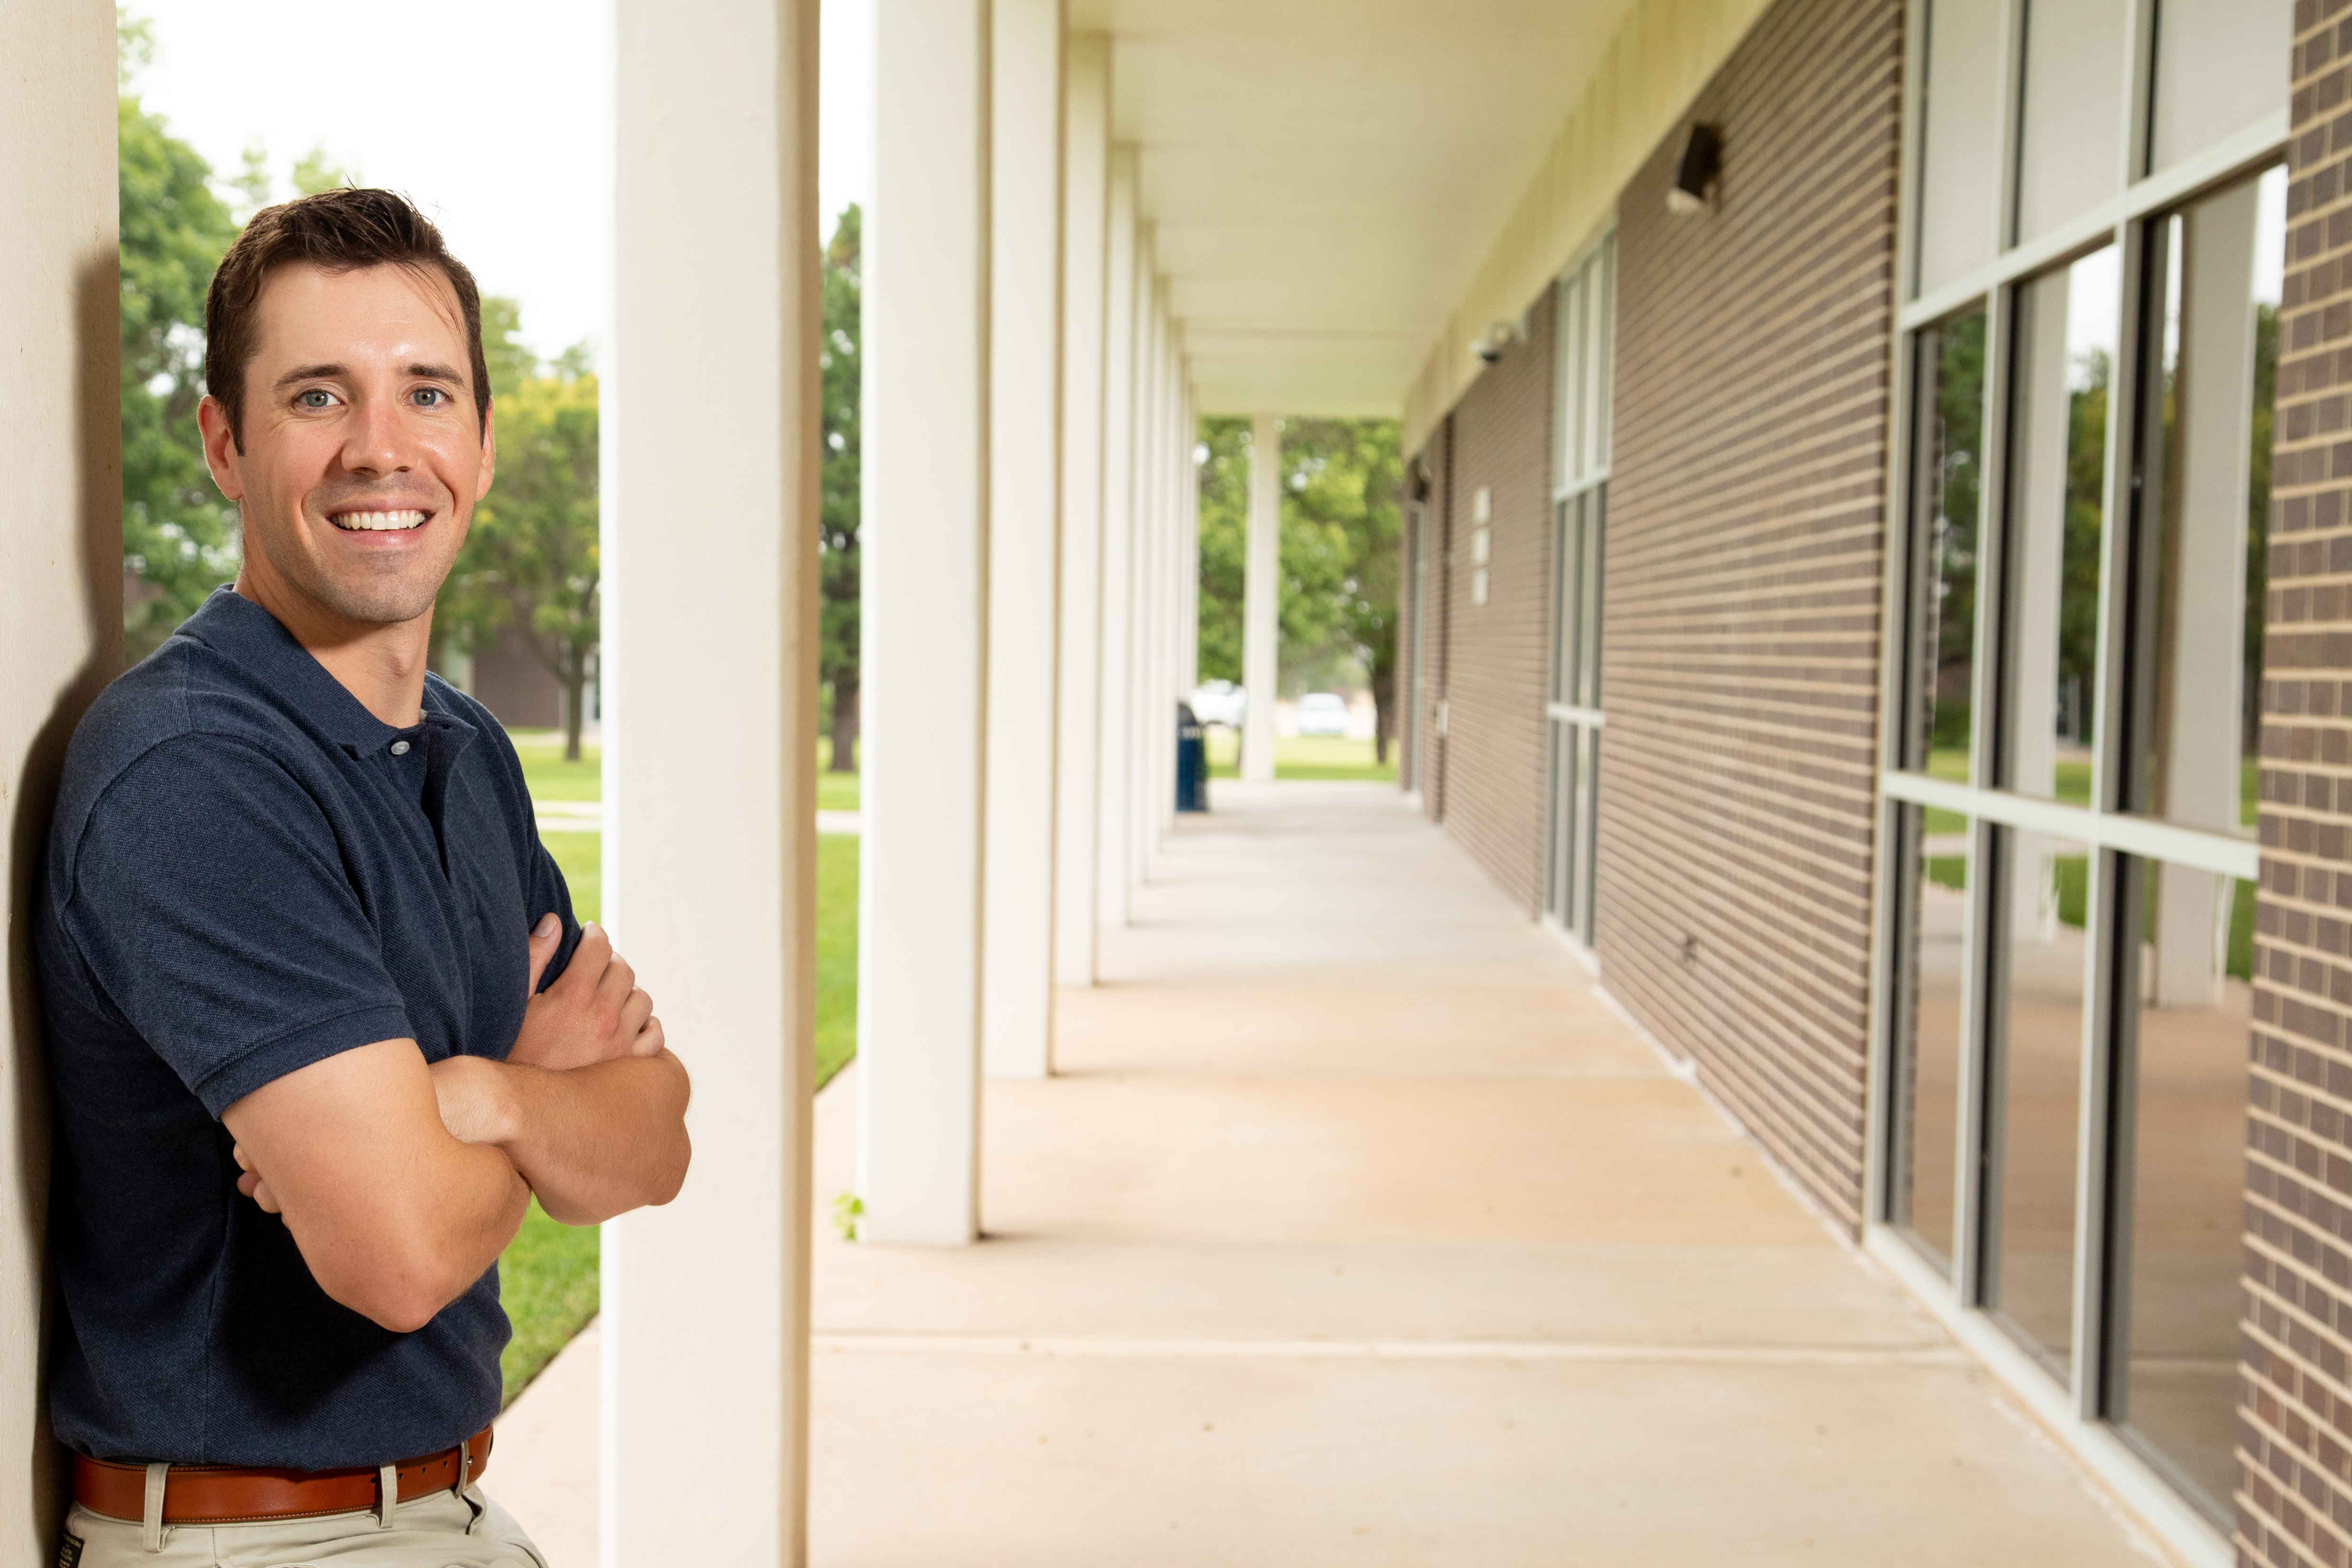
{"x":1357,"y":1229}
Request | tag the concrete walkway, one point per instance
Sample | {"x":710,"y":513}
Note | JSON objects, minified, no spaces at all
{"x":1357,"y":1229}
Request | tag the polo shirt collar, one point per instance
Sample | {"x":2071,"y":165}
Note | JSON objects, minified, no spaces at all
{"x":242,"y":631}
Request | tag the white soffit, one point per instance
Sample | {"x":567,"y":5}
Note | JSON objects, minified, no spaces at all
{"x":1324,"y":176}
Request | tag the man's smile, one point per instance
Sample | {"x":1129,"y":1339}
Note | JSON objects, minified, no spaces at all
{"x":392,"y":521}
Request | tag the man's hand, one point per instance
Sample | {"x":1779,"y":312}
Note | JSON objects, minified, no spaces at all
{"x":594,"y":1011}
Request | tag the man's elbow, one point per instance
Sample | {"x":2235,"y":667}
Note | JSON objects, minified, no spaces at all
{"x":401,"y":1299}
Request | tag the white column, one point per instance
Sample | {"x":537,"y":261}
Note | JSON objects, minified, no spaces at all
{"x":1024,"y":478}
{"x":1115,"y":748}
{"x":61,"y":620}
{"x":1189,"y":477}
{"x":2039,"y":573}
{"x":1086,"y":237}
{"x":1261,"y":598}
{"x":2208,"y":570}
{"x":1171,"y":553}
{"x":710,"y":847}
{"x":924,"y":618}
{"x":1142,"y":830}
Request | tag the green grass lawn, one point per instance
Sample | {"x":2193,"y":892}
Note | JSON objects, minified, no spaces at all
{"x":834,"y":792}
{"x":548,"y":1275}
{"x":1302,"y":757}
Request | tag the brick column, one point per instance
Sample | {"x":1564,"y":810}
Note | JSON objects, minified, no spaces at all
{"x":2295,"y":1505}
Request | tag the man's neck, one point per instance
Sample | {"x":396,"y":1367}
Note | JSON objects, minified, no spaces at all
{"x":381,"y":666}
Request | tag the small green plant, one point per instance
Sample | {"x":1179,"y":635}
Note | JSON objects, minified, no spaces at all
{"x":849,"y":1215}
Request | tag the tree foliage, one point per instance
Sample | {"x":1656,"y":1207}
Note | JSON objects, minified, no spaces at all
{"x":838,"y":360}
{"x":1340,"y":523}
{"x":179,"y":538}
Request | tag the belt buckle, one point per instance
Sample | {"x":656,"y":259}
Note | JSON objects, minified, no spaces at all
{"x":465,"y":1467}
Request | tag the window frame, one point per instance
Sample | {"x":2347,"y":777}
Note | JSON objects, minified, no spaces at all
{"x":2120,"y":845}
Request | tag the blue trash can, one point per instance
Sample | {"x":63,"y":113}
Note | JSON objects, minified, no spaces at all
{"x":1191,"y":761}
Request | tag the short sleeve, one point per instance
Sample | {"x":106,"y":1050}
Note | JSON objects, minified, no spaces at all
{"x":547,"y":890}
{"x":208,"y":899}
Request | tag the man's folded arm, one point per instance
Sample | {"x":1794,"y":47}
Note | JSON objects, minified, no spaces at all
{"x":592,"y":1141}
{"x":395,"y":1216}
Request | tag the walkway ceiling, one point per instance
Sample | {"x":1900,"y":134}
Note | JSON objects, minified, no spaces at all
{"x":1324,"y":176}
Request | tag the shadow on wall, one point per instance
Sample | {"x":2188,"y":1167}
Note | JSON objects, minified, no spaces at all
{"x":97,"y":412}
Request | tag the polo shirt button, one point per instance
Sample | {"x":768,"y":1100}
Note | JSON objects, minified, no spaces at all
{"x":400,"y":749}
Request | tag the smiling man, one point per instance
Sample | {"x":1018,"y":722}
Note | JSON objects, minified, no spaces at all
{"x":320,"y":1021}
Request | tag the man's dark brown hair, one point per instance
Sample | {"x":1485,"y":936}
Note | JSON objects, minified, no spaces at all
{"x":339,"y":230}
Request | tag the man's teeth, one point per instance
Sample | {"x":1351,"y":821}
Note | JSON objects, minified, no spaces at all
{"x":378,"y":522}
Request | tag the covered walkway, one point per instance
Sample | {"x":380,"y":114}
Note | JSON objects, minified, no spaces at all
{"x":1355,"y":1228}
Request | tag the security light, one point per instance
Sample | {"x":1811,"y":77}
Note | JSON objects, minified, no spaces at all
{"x":1702,"y":155}
{"x":1490,"y":344}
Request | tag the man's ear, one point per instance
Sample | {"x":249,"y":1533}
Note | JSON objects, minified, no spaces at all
{"x":222,"y":455}
{"x":489,"y":451}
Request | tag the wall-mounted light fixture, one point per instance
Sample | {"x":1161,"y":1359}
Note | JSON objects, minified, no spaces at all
{"x":1701,"y":156}
{"x":1490,"y":344}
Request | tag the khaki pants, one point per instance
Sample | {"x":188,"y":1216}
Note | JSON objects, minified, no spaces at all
{"x":442,"y":1531}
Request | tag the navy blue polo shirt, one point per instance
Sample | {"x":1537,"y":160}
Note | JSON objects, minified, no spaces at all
{"x":248,"y":872}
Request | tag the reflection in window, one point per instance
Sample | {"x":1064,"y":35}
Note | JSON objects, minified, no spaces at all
{"x":2210,"y":471}
{"x":2037,"y":1093}
{"x":2066,"y":324}
{"x":1933,"y":920}
{"x":1950,"y":465}
{"x":2070,"y":153}
{"x":1959,"y":157}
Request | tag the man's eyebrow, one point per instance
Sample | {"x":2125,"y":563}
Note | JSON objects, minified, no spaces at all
{"x":307,"y":373}
{"x":436,"y":373}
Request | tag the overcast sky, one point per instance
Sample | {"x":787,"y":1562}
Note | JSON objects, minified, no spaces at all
{"x":506,"y":151}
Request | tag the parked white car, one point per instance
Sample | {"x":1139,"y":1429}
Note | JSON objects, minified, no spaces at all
{"x":1322,"y":712}
{"x":1220,"y":702}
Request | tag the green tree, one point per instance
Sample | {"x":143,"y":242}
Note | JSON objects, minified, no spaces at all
{"x":1340,"y":522}
{"x":837,"y":358}
{"x":179,"y":538}
{"x":530,"y":560}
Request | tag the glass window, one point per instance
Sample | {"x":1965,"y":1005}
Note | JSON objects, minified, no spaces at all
{"x":1932,"y":921}
{"x":2178,"y":1317}
{"x":2065,"y":337}
{"x":2069,"y":153}
{"x":1960,"y":151}
{"x":2221,"y":67}
{"x":1950,"y":445}
{"x":2208,"y":468}
{"x":2037,"y":1092}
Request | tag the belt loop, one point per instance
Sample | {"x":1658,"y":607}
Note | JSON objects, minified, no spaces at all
{"x":387,"y":1494}
{"x":465,"y":1468}
{"x":151,"y":1519}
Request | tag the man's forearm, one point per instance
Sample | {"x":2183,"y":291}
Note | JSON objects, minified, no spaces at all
{"x":593,"y":1142}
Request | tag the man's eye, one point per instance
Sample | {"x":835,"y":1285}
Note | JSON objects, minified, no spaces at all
{"x":431,"y":397}
{"x":316,"y":397}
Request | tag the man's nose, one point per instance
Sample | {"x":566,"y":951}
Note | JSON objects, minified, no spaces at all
{"x":373,"y":439}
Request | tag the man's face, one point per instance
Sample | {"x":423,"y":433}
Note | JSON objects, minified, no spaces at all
{"x":363,"y":452}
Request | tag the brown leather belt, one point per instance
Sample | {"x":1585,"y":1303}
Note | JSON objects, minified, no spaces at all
{"x":221,"y":1494}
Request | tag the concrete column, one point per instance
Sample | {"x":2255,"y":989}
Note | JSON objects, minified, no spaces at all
{"x":1189,"y":477}
{"x":2205,"y":674}
{"x":1117,"y":762}
{"x":924,"y":614}
{"x":61,"y":622}
{"x":1024,"y":478}
{"x":1171,"y":560}
{"x":1143,"y":674}
{"x":1261,"y":598}
{"x":1085,"y":254}
{"x":709,"y":846}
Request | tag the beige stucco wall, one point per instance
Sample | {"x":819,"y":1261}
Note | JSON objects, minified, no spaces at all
{"x":60,"y":605}
{"x":1665,"y":51}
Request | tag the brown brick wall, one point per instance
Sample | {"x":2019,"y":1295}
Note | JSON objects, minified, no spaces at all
{"x":1742,"y":631}
{"x":2295,"y":1417}
{"x":1493,"y":749}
